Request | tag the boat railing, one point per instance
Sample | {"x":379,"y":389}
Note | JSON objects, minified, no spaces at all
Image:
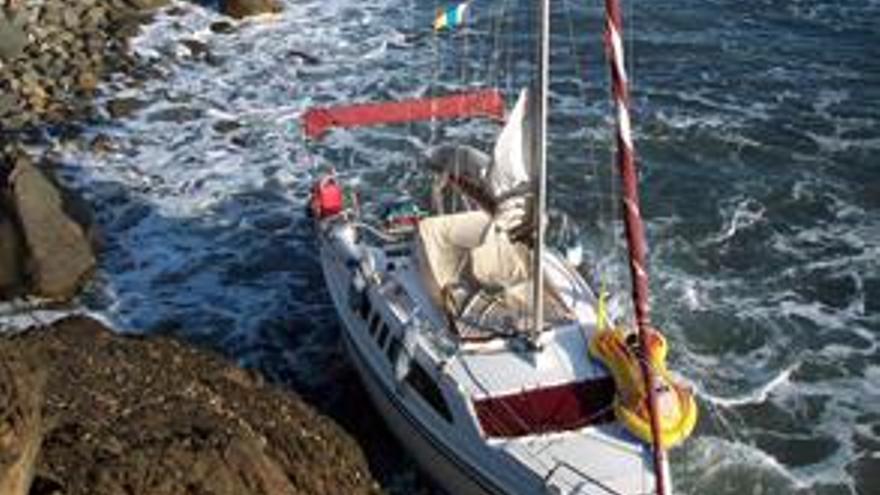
{"x":379,"y":233}
{"x":572,"y":486}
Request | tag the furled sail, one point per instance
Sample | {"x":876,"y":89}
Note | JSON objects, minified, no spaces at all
{"x":509,"y":173}
{"x":509,"y":177}
{"x":500,"y":184}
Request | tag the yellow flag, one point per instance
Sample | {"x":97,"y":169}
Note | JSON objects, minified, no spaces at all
{"x":450,"y":17}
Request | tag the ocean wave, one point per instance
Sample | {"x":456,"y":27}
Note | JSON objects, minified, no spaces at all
{"x":206,"y":237}
{"x":756,"y":396}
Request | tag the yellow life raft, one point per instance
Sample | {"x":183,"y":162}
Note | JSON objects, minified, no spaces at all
{"x":676,"y":407}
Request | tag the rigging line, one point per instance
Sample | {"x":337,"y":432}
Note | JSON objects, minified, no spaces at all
{"x":614,"y":205}
{"x":508,"y":63}
{"x":630,"y":37}
{"x":605,"y":238}
{"x":497,"y":55}
{"x":435,"y":78}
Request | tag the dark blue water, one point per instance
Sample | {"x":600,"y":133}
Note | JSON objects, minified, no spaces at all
{"x":756,"y":129}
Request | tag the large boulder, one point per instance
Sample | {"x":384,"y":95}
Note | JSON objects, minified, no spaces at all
{"x":11,"y":256}
{"x":60,"y":255}
{"x":20,"y":425}
{"x":244,"y":8}
{"x":154,"y":416}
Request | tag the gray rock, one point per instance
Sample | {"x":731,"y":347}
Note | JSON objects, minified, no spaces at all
{"x":60,"y":254}
{"x":244,"y":8}
{"x":124,"y":107}
{"x":95,"y":16}
{"x":8,"y":104}
{"x":71,"y":19}
{"x":12,"y":37}
{"x":51,"y":14}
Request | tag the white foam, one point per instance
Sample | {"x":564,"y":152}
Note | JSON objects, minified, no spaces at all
{"x":746,"y":212}
{"x":193,"y":185}
{"x":756,"y":396}
{"x":709,"y":456}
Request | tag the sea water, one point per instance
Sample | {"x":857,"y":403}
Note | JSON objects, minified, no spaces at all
{"x":757,"y":127}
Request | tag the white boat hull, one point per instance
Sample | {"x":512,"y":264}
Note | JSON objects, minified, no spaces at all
{"x":419,"y":443}
{"x":459,"y":457}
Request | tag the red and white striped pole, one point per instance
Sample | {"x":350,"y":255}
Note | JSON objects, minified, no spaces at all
{"x":635,"y":230}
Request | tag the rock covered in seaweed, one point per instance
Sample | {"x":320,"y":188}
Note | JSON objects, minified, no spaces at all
{"x":153,"y":416}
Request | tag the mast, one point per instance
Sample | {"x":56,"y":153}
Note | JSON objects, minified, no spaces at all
{"x":635,"y":230}
{"x":540,"y":163}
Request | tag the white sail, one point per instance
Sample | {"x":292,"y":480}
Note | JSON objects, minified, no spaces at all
{"x":511,"y":171}
{"x":509,"y":177}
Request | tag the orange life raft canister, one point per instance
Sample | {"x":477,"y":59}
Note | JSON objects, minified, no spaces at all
{"x":326,"y":197}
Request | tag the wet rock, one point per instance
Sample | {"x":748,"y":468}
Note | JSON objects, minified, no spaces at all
{"x":101,"y":144}
{"x":222,"y":27}
{"x":20,"y":423}
{"x":128,"y":26}
{"x":153,"y":416}
{"x":124,"y":107}
{"x":59,"y":252}
{"x":177,"y":11}
{"x":148,"y":4}
{"x":226,"y":126}
{"x":245,"y":8}
{"x":197,"y":49}
{"x":178,"y":114}
{"x":305,"y":57}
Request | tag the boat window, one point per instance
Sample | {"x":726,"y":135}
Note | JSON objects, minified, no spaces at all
{"x":558,"y":408}
{"x":424,"y":385}
{"x":374,"y":323}
{"x":383,"y":335}
{"x":393,"y":350}
{"x":364,"y":307}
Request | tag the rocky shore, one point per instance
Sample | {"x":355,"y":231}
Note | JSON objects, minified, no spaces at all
{"x":54,"y":53}
{"x":86,"y":411}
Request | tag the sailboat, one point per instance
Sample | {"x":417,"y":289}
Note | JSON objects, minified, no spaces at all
{"x":489,"y":356}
